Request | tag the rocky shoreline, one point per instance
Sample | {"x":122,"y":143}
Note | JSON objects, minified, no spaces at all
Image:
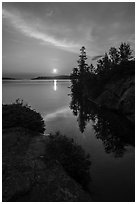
{"x":119,"y":96}
{"x":28,"y":178}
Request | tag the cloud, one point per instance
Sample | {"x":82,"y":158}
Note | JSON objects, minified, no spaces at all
{"x":97,"y":57}
{"x":31,"y":30}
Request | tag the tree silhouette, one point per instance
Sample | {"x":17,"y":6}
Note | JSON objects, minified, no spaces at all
{"x":109,"y":128}
{"x":79,"y":73}
{"x":83,"y":67}
{"x":103,"y":65}
{"x":114,"y":56}
{"x":125,"y":52}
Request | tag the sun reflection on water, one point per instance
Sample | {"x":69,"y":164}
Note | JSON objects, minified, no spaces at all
{"x":55,"y":85}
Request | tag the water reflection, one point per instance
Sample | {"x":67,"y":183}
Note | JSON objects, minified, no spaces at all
{"x":55,"y":85}
{"x":63,"y":112}
{"x":115,"y":131}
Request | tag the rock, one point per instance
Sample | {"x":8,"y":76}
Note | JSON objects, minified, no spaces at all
{"x":52,"y":184}
{"x":120,"y":96}
{"x":28,"y":178}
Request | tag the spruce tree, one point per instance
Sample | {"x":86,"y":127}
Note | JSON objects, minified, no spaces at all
{"x":83,"y":67}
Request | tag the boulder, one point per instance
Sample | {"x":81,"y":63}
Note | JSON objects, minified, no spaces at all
{"x":120,"y":96}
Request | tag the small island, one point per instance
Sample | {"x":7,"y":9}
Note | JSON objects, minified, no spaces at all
{"x":8,"y":78}
{"x":52,"y":77}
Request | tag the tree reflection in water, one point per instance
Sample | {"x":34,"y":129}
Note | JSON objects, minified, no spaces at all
{"x":115,"y":131}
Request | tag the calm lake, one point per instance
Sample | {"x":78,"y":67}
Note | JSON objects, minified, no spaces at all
{"x":112,"y":154}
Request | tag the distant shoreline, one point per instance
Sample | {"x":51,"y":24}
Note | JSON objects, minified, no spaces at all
{"x":8,"y":78}
{"x":52,"y":77}
{"x":23,"y":80}
{"x":62,"y":77}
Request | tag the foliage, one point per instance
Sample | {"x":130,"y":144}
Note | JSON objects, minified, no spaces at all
{"x":125,"y":52}
{"x":21,"y":115}
{"x":71,"y":156}
{"x":103,"y":65}
{"x":91,"y":80}
{"x":89,"y":84}
{"x":82,"y":76}
{"x":116,"y":64}
{"x":114,"y":56}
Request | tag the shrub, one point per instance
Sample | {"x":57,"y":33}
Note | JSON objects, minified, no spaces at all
{"x":21,"y":115}
{"x":71,"y":156}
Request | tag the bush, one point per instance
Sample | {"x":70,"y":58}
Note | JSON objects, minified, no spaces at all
{"x":71,"y":156}
{"x":21,"y":115}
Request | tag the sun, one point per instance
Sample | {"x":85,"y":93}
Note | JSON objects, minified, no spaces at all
{"x":55,"y":71}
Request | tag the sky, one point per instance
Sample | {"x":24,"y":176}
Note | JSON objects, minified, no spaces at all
{"x":40,"y":37}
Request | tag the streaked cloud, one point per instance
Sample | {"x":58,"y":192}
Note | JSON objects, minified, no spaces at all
{"x":32,"y":31}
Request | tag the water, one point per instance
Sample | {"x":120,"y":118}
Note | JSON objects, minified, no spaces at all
{"x":109,"y":142}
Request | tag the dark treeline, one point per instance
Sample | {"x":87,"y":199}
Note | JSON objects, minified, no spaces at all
{"x":87,"y":83}
{"x":113,"y":65}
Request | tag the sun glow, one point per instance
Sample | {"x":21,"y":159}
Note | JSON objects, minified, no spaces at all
{"x":55,"y":71}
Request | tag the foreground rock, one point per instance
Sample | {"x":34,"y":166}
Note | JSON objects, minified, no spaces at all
{"x":119,"y":95}
{"x":26,"y":175}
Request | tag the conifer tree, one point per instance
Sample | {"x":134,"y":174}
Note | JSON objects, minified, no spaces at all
{"x":83,"y":67}
{"x":125,"y":52}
